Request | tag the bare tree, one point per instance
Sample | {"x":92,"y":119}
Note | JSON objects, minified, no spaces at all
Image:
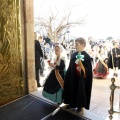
{"x":56,"y":25}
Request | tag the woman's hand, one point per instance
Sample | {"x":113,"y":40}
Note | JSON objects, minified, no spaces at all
{"x":79,"y":69}
{"x":51,"y":64}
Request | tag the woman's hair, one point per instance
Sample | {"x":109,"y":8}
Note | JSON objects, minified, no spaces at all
{"x":81,"y":41}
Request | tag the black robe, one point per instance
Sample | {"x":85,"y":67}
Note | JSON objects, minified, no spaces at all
{"x":77,"y":89}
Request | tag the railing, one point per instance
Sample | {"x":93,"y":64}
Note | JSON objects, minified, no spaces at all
{"x":112,"y":88}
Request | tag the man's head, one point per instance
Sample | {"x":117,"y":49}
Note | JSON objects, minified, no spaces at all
{"x":40,"y":38}
{"x":115,"y":44}
{"x":35,"y":35}
{"x":80,"y":44}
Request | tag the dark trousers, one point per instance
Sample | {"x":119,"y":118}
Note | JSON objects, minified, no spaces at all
{"x":37,"y":77}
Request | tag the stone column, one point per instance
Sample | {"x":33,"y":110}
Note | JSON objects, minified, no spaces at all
{"x":29,"y":43}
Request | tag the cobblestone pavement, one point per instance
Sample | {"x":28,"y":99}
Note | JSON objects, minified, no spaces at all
{"x":100,"y":103}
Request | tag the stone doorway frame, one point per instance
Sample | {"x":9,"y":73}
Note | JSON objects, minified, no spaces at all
{"x":27,"y":34}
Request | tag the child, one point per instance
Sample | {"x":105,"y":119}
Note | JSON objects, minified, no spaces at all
{"x":78,"y":80}
{"x":53,"y":88}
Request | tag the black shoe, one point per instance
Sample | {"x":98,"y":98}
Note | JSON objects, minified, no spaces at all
{"x":59,"y":103}
{"x":78,"y":110}
{"x":39,"y":85}
{"x":68,"y":107}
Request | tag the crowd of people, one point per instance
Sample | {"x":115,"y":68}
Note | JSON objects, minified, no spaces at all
{"x":106,"y":56}
{"x":71,"y":76}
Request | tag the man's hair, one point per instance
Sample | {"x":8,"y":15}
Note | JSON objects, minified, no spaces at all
{"x":81,"y":41}
{"x":114,"y":43}
{"x":40,"y":37}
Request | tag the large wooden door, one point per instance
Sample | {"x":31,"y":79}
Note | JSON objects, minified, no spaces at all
{"x":11,"y":63}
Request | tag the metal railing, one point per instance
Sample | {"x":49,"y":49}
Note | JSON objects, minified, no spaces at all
{"x":112,"y":88}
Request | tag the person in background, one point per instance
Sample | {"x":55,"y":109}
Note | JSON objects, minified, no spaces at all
{"x":42,"y":64}
{"x":79,"y":77}
{"x":51,"y":44}
{"x":114,"y":59}
{"x":38,"y":54}
{"x":101,"y":68}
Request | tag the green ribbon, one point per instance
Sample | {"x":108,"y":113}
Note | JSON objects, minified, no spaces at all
{"x":79,"y":56}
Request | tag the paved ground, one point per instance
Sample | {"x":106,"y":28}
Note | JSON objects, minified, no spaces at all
{"x":100,"y":103}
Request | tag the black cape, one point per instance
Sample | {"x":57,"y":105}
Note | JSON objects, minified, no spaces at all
{"x":77,"y":89}
{"x":113,"y":59}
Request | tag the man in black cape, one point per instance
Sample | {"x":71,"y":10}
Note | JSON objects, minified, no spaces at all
{"x":78,"y":83}
{"x":114,"y":59}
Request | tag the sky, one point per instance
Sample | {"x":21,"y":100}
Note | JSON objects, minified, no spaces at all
{"x":102,"y":16}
